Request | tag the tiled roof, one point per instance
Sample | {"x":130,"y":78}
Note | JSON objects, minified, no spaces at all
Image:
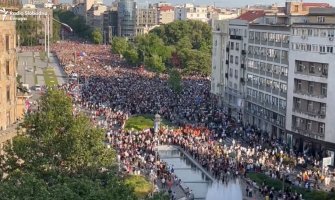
{"x":166,"y":8}
{"x":251,"y":15}
{"x":321,"y":5}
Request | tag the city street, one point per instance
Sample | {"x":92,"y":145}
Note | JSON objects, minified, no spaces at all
{"x":32,"y":68}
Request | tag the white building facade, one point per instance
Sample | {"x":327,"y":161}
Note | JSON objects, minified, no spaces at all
{"x":310,"y":109}
{"x":267,"y":75}
{"x":191,"y":12}
{"x":220,"y":41}
{"x":235,"y":68}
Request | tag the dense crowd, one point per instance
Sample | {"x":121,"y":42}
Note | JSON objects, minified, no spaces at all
{"x":111,"y":94}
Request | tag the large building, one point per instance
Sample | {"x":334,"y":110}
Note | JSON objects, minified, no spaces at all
{"x":127,"y":18}
{"x":267,"y":72}
{"x":8,"y":62}
{"x":288,"y":67}
{"x":146,"y":17}
{"x":110,"y":25}
{"x":310,"y":108}
{"x":95,"y":16}
{"x":165,"y":14}
{"x":191,"y":12}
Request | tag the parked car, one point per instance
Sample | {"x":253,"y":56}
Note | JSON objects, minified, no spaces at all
{"x":37,"y":88}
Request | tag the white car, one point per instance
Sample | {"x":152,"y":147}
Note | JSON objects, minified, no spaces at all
{"x":38,"y":88}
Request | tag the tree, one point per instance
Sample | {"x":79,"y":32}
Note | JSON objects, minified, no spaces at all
{"x":175,"y":80}
{"x":96,"y":36}
{"x":154,"y":63}
{"x":29,"y":31}
{"x":61,"y":157}
{"x":131,"y":56}
{"x":119,"y":45}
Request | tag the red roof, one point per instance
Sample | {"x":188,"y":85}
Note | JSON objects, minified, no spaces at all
{"x":320,"y":5}
{"x":251,"y":15}
{"x":166,"y":8}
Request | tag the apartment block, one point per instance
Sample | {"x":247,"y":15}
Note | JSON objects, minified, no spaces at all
{"x":146,"y":17}
{"x":191,"y":12}
{"x":165,"y":14}
{"x":267,"y":75}
{"x":310,"y":108}
{"x":220,"y":41}
{"x":8,"y":62}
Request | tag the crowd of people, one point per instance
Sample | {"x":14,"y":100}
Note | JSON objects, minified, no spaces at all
{"x":112,"y":94}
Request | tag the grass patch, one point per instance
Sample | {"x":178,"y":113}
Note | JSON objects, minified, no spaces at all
{"x":141,"y":122}
{"x":50,"y":77}
{"x":278,"y":185}
{"x":142,"y":187}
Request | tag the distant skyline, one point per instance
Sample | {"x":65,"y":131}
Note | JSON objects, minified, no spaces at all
{"x":220,"y":3}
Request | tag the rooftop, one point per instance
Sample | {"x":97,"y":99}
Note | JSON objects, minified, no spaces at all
{"x":251,"y":15}
{"x":166,"y":8}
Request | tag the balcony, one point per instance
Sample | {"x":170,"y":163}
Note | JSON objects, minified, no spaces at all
{"x":244,"y":52}
{"x":236,"y":37}
{"x":311,"y":115}
{"x":227,"y":62}
{"x":227,"y":49}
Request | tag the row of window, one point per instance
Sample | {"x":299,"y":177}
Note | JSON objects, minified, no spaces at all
{"x":308,"y":125}
{"x":309,"y":106}
{"x":268,"y":67}
{"x":231,"y":73}
{"x":261,"y":81}
{"x":231,"y":59}
{"x":310,"y":87}
{"x":269,"y":52}
{"x":238,"y":31}
{"x":267,"y":114}
{"x":312,"y":68}
{"x":312,"y":48}
{"x":315,"y":32}
{"x":266,"y":98}
{"x":271,"y":37}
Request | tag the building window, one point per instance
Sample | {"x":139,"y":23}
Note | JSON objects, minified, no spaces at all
{"x":7,"y":68}
{"x":312,"y":69}
{"x":298,"y":85}
{"x":321,"y":128}
{"x":237,"y":46}
{"x":297,"y":103}
{"x":311,"y":87}
{"x":324,"y":89}
{"x":8,"y":94}
{"x":310,"y":106}
{"x":321,"y":19}
{"x":251,"y":35}
{"x":309,"y":125}
{"x":232,"y":45}
{"x":236,"y":73}
{"x":231,"y":72}
{"x":231,"y":59}
{"x":7,"y":42}
{"x":329,"y":49}
{"x":236,"y":60}
{"x":323,"y":109}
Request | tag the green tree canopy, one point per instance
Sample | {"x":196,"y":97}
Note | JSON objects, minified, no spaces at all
{"x":131,"y":56}
{"x":62,"y":156}
{"x":175,"y":80}
{"x":154,"y":63}
{"x":119,"y":45}
{"x":96,"y":37}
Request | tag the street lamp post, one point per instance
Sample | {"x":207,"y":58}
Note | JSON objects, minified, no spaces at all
{"x":157,"y":123}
